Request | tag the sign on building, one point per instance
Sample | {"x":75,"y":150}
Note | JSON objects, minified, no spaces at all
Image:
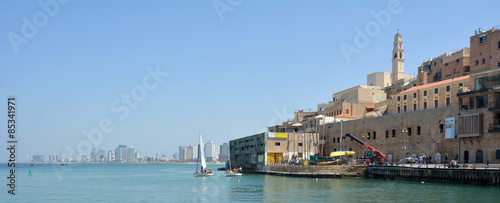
{"x":449,"y":132}
{"x":279,"y":135}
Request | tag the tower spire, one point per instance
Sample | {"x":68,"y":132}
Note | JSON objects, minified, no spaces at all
{"x":398,"y":59}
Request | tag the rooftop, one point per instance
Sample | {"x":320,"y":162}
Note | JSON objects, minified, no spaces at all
{"x":436,"y":84}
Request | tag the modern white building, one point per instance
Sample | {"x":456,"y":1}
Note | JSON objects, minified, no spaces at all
{"x":212,"y":151}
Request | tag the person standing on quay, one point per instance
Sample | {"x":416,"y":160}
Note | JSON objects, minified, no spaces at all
{"x":420,"y":159}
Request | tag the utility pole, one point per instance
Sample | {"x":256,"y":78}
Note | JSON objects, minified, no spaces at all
{"x":404,"y":130}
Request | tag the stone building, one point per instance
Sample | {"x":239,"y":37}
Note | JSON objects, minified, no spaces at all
{"x":422,"y":132}
{"x":479,"y":118}
{"x":433,"y":95}
{"x":485,"y":50}
{"x":445,"y":66}
{"x":354,"y":101}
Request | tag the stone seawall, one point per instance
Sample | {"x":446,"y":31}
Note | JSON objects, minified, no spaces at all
{"x":467,"y":176}
{"x":334,"y":171}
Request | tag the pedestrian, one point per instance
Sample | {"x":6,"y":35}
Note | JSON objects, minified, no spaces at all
{"x":430,"y":159}
{"x":420,"y":159}
{"x":425,"y":158}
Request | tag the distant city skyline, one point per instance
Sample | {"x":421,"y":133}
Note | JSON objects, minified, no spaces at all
{"x":153,"y":75}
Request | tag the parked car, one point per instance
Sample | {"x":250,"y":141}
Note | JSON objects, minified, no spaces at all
{"x":408,"y":160}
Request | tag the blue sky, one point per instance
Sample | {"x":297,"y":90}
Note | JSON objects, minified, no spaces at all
{"x":238,"y":74}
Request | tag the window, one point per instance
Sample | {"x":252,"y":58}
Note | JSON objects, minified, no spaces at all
{"x":387,"y":134}
{"x":498,"y":151}
{"x":404,"y":108}
{"x":448,"y":88}
{"x":277,"y":144}
{"x":368,"y":135}
{"x":436,"y":90}
{"x":333,"y":140}
{"x":460,"y":84}
{"x":438,"y":145}
{"x":481,"y":101}
{"x":458,"y":60}
{"x":300,"y":144}
{"x":405,"y":97}
{"x":399,"y":98}
{"x":477,"y":62}
{"x":425,"y":93}
{"x":484,"y":60}
{"x":425,"y":104}
{"x":415,"y":95}
{"x":374,"y":135}
{"x":483,"y":39}
{"x":418,"y":130}
{"x":389,"y":148}
{"x":499,"y":44}
{"x":436,"y":103}
{"x":393,"y":133}
{"x":472,"y":103}
{"x":347,"y":111}
{"x":448,"y":101}
{"x":499,"y":64}
{"x":412,"y":146}
{"x":409,"y":131}
{"x":441,"y":128}
{"x":338,"y":139}
{"x":414,"y":106}
{"x":399,"y":109}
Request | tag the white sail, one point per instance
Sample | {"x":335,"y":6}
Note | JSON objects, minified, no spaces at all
{"x":202,"y":154}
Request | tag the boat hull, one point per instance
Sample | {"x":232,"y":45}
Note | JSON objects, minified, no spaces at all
{"x":342,"y":153}
{"x":233,"y":174}
{"x":203,"y":174}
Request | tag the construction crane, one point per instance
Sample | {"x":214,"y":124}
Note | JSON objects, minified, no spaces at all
{"x":372,"y":155}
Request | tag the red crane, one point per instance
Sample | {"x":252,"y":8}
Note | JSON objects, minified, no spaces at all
{"x":372,"y":155}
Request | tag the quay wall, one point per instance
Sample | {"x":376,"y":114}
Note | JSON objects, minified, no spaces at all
{"x":448,"y":175}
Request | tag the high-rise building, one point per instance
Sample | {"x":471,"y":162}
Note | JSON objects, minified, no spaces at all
{"x":77,"y":157}
{"x":193,"y":153}
{"x":121,"y":153}
{"x":131,"y":154}
{"x":111,"y":157}
{"x":211,"y":151}
{"x":100,"y":156}
{"x":92,"y":155}
{"x":62,"y":156}
{"x":138,"y":155}
{"x":224,"y":152}
{"x":182,"y":153}
{"x":38,"y":158}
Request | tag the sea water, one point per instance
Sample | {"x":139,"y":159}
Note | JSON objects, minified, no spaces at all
{"x":176,"y":183}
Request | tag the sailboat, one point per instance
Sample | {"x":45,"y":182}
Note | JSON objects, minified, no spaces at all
{"x":230,"y":172}
{"x":204,"y":171}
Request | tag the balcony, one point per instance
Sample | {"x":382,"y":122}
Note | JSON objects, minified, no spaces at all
{"x":461,"y":94}
{"x":470,"y":125}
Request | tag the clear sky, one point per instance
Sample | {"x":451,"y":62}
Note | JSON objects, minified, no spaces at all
{"x":238,"y":67}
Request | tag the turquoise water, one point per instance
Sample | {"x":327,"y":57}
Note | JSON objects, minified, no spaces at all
{"x":175,"y":183}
